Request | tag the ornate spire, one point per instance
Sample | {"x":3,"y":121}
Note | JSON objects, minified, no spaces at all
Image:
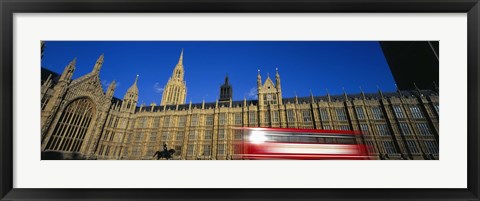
{"x":73,"y":62}
{"x":344,"y":93}
{"x":311,"y":96}
{"x":259,"y":79}
{"x":68,"y":71}
{"x":180,"y":60}
{"x":175,"y":91}
{"x":277,"y":79}
{"x":98,"y":64}
{"x":380,"y":91}
{"x":296,"y":97}
{"x":278,"y":86}
{"x":136,"y":80}
{"x":111,"y":88}
{"x":178,"y":71}
{"x":133,"y":88}
{"x":361,"y":91}
{"x":131,"y":98}
{"x":328,"y":95}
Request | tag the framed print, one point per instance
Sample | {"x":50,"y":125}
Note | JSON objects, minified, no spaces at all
{"x":196,"y":100}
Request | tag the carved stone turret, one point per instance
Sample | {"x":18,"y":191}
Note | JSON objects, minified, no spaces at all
{"x":111,"y":89}
{"x":131,"y":98}
{"x":98,"y":64}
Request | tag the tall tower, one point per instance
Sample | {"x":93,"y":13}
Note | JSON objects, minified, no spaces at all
{"x":131,"y":98}
{"x":226,"y":91}
{"x":278,"y":86}
{"x":175,"y":91}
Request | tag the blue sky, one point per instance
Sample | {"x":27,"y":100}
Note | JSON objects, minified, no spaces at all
{"x":304,"y":66}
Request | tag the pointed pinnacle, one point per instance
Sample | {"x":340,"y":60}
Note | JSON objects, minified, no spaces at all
{"x":136,"y":79}
{"x":101,"y":58}
{"x":180,"y":60}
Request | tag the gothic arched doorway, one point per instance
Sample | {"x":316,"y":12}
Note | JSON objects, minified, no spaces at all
{"x":71,"y":128}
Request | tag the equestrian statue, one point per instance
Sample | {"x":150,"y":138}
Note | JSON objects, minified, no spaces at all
{"x":167,"y":154}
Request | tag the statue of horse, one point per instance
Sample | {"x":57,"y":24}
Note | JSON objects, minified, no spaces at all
{"x":165,"y":154}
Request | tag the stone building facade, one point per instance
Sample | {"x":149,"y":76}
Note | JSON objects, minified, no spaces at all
{"x":81,"y":121}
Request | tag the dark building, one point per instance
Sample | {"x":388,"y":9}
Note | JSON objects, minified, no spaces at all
{"x":413,"y":63}
{"x":226,"y":92}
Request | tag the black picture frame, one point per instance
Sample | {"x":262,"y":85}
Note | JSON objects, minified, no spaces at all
{"x":10,"y":7}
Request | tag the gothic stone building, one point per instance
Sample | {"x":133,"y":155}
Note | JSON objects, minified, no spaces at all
{"x":81,"y":121}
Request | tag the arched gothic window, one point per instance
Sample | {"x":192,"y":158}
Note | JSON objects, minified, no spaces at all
{"x":70,"y":131}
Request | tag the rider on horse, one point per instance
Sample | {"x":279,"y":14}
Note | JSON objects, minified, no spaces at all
{"x":167,"y":154}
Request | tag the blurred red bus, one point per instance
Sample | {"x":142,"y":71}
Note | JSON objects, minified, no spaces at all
{"x":303,"y":144}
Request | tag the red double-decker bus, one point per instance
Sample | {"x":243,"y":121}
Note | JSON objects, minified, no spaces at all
{"x":302,"y":144}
